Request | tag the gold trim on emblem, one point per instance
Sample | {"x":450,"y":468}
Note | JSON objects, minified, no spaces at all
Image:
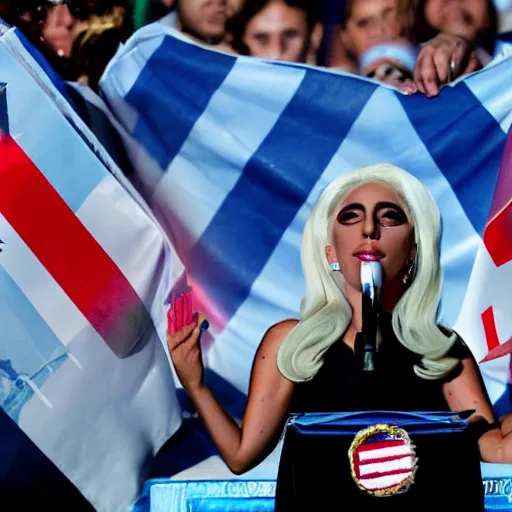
{"x":394,"y":433}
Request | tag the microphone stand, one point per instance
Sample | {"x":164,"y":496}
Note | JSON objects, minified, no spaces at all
{"x":366,"y":340}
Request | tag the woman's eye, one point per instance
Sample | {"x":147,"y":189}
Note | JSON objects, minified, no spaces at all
{"x":391,"y":217}
{"x":348,"y":217}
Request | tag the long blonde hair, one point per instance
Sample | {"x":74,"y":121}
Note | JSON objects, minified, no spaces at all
{"x":325,"y":311}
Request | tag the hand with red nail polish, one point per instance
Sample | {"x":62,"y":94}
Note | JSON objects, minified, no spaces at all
{"x":180,"y":313}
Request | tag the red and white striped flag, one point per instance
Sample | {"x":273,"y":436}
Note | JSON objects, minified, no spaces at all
{"x":383,"y":460}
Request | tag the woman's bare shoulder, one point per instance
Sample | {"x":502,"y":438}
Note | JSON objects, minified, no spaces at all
{"x":276,"y":334}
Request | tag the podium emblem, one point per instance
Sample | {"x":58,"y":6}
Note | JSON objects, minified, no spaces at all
{"x":383,"y":460}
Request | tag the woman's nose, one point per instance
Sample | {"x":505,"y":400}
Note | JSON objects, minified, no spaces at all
{"x":370,"y":228}
{"x":381,"y":30}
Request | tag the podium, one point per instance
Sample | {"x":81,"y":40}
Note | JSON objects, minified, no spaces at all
{"x":379,"y":461}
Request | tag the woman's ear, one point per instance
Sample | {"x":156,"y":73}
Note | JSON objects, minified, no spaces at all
{"x":168,"y":3}
{"x":330,"y":254}
{"x":414,"y":252}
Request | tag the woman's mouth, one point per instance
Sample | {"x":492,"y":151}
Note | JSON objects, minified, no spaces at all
{"x":369,"y":255}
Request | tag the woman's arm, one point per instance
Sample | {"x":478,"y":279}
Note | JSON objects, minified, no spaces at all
{"x":267,"y":406}
{"x":467,"y":392}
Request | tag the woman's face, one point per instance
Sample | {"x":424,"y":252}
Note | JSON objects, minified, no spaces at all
{"x":372,"y":224}
{"x":464,"y":18}
{"x":59,"y":30}
{"x":371,"y":22}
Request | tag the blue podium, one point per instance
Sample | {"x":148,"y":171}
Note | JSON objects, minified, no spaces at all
{"x":166,"y":495}
{"x":382,"y":457}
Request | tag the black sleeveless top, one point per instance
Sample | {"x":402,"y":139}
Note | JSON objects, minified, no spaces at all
{"x":340,"y":386}
{"x":314,"y":472}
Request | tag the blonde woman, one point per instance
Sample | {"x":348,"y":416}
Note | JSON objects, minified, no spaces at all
{"x":375,"y":213}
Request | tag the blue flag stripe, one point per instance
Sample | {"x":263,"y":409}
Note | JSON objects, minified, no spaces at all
{"x":230,"y":255}
{"x":469,"y":165}
{"x":220,"y":160}
{"x":180,"y":93}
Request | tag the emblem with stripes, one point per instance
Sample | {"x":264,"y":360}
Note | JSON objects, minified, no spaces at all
{"x":383,"y":460}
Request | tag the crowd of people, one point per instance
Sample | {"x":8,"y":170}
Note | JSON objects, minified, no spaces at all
{"x":379,"y":39}
{"x":413,"y":45}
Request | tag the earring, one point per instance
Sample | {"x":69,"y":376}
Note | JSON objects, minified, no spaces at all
{"x":408,"y":274}
{"x":334,"y":266}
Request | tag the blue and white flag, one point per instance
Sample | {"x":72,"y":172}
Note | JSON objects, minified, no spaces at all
{"x":85,"y":274}
{"x":232,"y":153}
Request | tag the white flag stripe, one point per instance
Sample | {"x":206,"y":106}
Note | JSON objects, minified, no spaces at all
{"x":61,"y":315}
{"x":380,"y":453}
{"x":203,"y":155}
{"x":487,"y":288}
{"x":146,"y":243}
{"x":129,"y":70}
{"x":382,"y":482}
{"x":385,"y":467}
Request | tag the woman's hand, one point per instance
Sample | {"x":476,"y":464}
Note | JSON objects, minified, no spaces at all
{"x":185,"y":350}
{"x":443,"y":59}
{"x":267,"y":405}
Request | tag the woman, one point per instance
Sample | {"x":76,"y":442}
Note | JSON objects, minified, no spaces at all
{"x":391,"y":63}
{"x":367,"y":23}
{"x":374,"y":213}
{"x":473,"y":20}
{"x":373,"y":27}
{"x":52,"y":27}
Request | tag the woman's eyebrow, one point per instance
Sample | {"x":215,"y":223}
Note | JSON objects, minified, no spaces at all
{"x":352,"y":206}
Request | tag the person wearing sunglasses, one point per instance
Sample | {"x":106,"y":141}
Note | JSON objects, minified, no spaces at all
{"x":54,"y":23}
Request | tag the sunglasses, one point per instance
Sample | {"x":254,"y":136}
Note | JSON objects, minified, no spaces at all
{"x":390,"y":71}
{"x":79,"y":9}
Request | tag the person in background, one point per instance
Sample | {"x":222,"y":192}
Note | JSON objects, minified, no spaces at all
{"x":364,"y":24}
{"x":52,"y":27}
{"x":55,"y":24}
{"x":99,"y":39}
{"x":202,"y":20}
{"x":391,"y":63}
{"x":473,"y":20}
{"x":4,"y":9}
{"x":457,"y":38}
{"x":287,"y":30}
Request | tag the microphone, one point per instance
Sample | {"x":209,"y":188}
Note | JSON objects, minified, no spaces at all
{"x":366,"y":340}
